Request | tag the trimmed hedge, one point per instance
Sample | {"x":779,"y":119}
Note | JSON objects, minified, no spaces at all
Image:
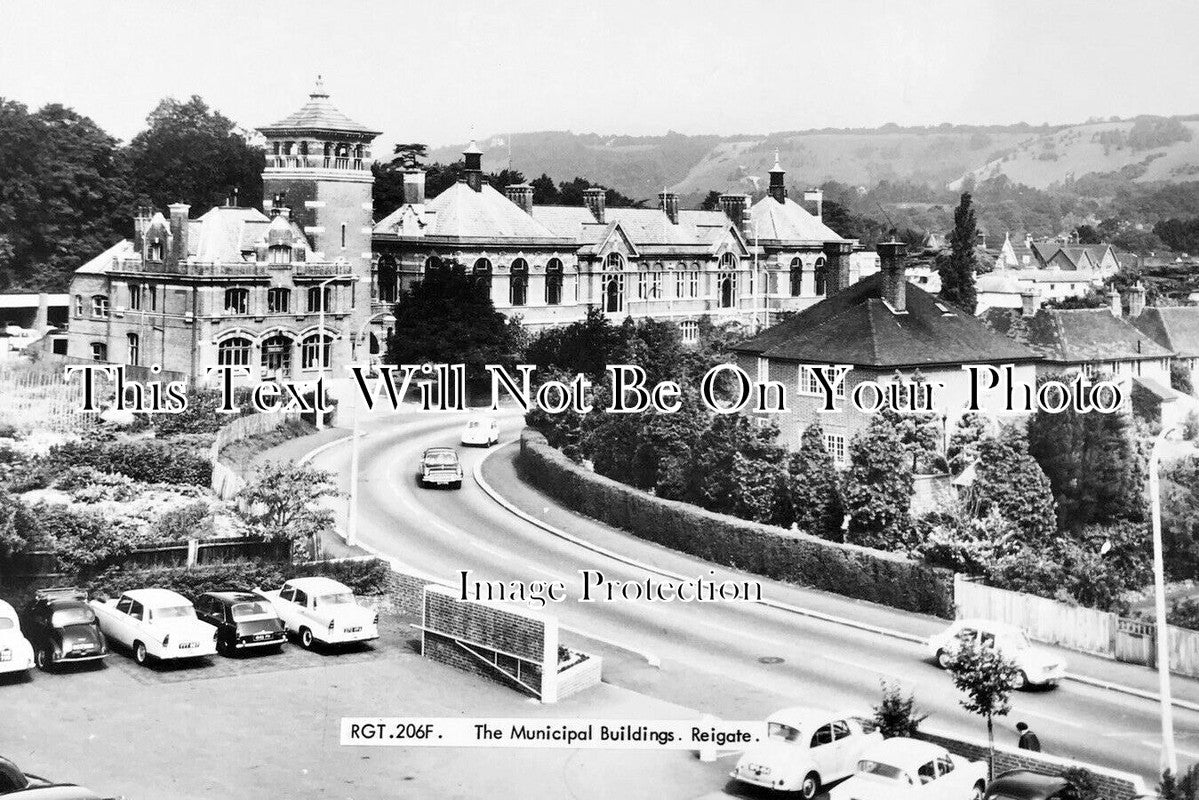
{"x":799,"y":558}
{"x":148,"y":462}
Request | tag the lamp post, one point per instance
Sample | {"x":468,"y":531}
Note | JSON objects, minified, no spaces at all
{"x":320,"y":290}
{"x":1169,"y":758}
{"x":352,"y":515}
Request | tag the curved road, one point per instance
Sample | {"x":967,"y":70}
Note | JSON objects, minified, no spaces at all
{"x":720,"y":658}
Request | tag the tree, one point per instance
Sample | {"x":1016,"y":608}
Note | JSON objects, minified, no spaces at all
{"x":896,"y":715}
{"x":18,"y":529}
{"x":282,"y":503}
{"x":1180,"y":377}
{"x":190,"y":153}
{"x":1083,"y":783}
{"x":711,"y":201}
{"x":962,"y":449}
{"x":814,"y":487}
{"x":1183,"y":787}
{"x":1088,"y":235}
{"x":1009,"y":482}
{"x":957,"y":270}
{"x":409,"y":155}
{"x":878,"y":488}
{"x":545,"y":191}
{"x":987,"y":679}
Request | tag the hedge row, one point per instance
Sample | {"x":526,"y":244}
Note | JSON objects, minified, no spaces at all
{"x":148,"y":462}
{"x":784,"y":555}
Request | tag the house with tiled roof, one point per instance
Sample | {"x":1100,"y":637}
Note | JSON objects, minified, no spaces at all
{"x":1054,"y":270}
{"x":1175,"y":328}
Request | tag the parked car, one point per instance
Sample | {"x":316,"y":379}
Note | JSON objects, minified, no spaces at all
{"x":806,"y":749}
{"x":322,"y":610}
{"x":18,"y":785}
{"x":243,"y":621}
{"x":910,"y":769}
{"x":155,"y":623}
{"x":481,"y":432}
{"x":1036,"y":666}
{"x":16,"y":654}
{"x":439,"y":466}
{"x":63,"y":629}
{"x":1023,"y":784}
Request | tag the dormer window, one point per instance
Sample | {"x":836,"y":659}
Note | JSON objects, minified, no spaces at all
{"x":154,"y":251}
{"x":280,"y":254}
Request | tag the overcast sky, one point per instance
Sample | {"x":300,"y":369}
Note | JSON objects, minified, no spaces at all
{"x":442,"y":71}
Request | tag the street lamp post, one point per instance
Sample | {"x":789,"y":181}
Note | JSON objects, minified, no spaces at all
{"x":1169,"y":758}
{"x":320,"y":291}
{"x":352,"y":516}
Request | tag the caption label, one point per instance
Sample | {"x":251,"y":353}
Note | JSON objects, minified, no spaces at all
{"x":621,"y":734}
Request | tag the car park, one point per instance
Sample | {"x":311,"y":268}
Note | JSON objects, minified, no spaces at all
{"x":910,"y":769}
{"x":16,"y":653}
{"x":439,"y":466}
{"x":806,"y":749}
{"x":243,"y":620}
{"x":1023,"y":784}
{"x":1036,"y":666}
{"x":481,"y":432}
{"x":320,"y":609}
{"x":155,"y":623}
{"x":18,"y":785}
{"x":63,"y":628}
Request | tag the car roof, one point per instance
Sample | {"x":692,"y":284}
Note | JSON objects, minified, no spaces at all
{"x":1028,"y":785}
{"x":439,"y":450}
{"x":55,"y":603}
{"x":229,"y":596}
{"x":904,"y":753}
{"x":989,"y":625}
{"x":318,"y":583}
{"x":7,"y":610}
{"x":804,"y":717}
{"x":155,"y":596}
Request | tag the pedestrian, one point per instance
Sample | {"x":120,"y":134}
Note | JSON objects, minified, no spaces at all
{"x":1028,"y":739}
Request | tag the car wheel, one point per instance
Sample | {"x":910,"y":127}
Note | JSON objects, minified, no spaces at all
{"x":810,"y":786}
{"x":139,"y":653}
{"x":306,"y":639}
{"x":977,"y":794}
{"x":42,"y":659}
{"x":456,"y":485}
{"x":222,"y":646}
{"x":1021,"y":680}
{"x":943,"y":659}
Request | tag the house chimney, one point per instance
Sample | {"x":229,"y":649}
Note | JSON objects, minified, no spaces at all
{"x":777,"y":190}
{"x":414,"y":187}
{"x":1113,"y":298}
{"x":1030,"y":301}
{"x":669,"y":201}
{"x":274,"y":204}
{"x":894,"y":272}
{"x":178,"y":231}
{"x":1136,"y":301}
{"x":522,"y":195}
{"x":595,"y":198}
{"x":141,"y":221}
{"x":733,"y":206}
{"x":836,"y":266}
{"x":473,"y":173}
{"x":816,"y":195}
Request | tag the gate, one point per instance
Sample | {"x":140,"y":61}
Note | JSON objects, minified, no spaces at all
{"x":1134,"y":641}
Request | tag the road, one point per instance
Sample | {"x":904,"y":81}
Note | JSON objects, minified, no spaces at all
{"x":735,"y":660}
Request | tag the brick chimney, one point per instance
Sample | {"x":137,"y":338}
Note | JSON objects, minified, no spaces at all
{"x":777,"y":190}
{"x":595,"y":199}
{"x":141,"y":221}
{"x":1136,"y":301}
{"x":669,"y":201}
{"x":1113,"y":298}
{"x":836,"y":266}
{"x":894,"y":272}
{"x":178,"y":231}
{"x":522,"y":195}
{"x":473,"y":173}
{"x":733,"y":206}
{"x":1030,"y":302}
{"x":414,"y":186}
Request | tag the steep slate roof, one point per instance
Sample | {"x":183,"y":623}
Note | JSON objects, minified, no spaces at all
{"x":103,"y":262}
{"x":788,"y":222}
{"x":1072,"y":336}
{"x":1175,"y":328}
{"x":318,"y":114}
{"x":461,"y":212}
{"x":649,"y":229}
{"x":856,"y":327}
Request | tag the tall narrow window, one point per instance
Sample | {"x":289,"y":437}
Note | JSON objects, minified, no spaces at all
{"x":518,"y":283}
{"x":614,"y":293}
{"x":320,"y":298}
{"x":727,"y":286}
{"x":553,"y":282}
{"x":135,"y":349}
{"x":280,"y":254}
{"x":278,"y":300}
{"x":482,"y":273}
{"x":796,"y":277}
{"x":237,"y":301}
{"x":276,"y":357}
{"x":343,"y":236}
{"x":79,"y":305}
{"x":820,"y":276}
{"x":135,"y":297}
{"x":152,"y":296}
{"x":385,"y":279}
{"x":315,"y":351}
{"x":154,"y":251}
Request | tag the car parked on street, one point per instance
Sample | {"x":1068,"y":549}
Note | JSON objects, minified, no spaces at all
{"x":439,"y":466}
{"x":1037,"y":666}
{"x":155,"y":623}
{"x":911,"y":769}
{"x":320,"y":609}
{"x":63,"y":629}
{"x":481,"y":432}
{"x":806,"y":749}
{"x":243,"y":621}
{"x":16,"y":653}
{"x":1023,"y":784}
{"x":18,"y":785}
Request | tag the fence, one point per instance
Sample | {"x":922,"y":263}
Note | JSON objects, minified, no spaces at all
{"x":184,"y":553}
{"x":37,"y":396}
{"x":226,"y":482}
{"x":1077,"y":628}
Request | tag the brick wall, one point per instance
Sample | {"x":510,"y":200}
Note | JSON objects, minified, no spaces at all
{"x":579,"y":676}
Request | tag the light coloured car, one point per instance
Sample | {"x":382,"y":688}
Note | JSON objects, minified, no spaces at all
{"x":1037,"y":666}
{"x":806,"y":749}
{"x":155,"y":623}
{"x":910,"y":769}
{"x":481,"y":432}
{"x":320,"y":609}
{"x":16,"y":653}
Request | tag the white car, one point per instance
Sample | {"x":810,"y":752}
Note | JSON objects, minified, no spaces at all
{"x":1036,"y":666}
{"x":806,"y":749}
{"x":323,"y":610}
{"x":155,"y":623}
{"x":481,"y":432}
{"x":909,"y":769}
{"x":16,"y":653}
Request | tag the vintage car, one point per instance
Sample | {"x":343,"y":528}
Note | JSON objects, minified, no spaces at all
{"x":16,"y":653}
{"x":243,"y":621}
{"x":63,"y":629}
{"x":439,"y":466}
{"x":806,"y":749}
{"x":155,"y":623}
{"x":481,"y":432}
{"x":1036,"y":666}
{"x":1023,"y":784}
{"x":910,"y":769}
{"x":18,"y":785}
{"x":320,"y":609}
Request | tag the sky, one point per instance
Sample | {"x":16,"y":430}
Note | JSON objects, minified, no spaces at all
{"x":446,"y":71}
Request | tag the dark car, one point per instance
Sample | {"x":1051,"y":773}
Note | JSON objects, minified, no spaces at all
{"x":439,"y":466}
{"x":244,"y":621}
{"x":62,"y":628}
{"x":15,"y":784}
{"x":1022,"y":784}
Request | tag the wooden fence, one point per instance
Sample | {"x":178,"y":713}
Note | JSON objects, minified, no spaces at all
{"x":36,"y":396}
{"x":226,"y":481}
{"x":183,"y":553}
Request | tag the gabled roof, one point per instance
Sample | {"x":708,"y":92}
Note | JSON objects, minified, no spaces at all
{"x":461,"y":212}
{"x":318,"y":114}
{"x":648,"y":229}
{"x":103,"y":262}
{"x":1074,"y":336}
{"x":223,"y":233}
{"x":856,"y":327}
{"x":1175,"y":328}
{"x":787,"y":221}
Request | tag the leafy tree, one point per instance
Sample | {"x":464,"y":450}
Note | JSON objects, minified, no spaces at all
{"x":1180,"y":787}
{"x":190,"y":153}
{"x":1083,"y":783}
{"x":18,"y":529}
{"x":711,"y":201}
{"x":1088,"y":235}
{"x":409,"y":155}
{"x":896,"y":714}
{"x":738,"y":469}
{"x":1180,"y":517}
{"x":545,"y":191}
{"x":814,"y":488}
{"x":957,"y":270}
{"x":282,"y":503}
{"x":987,"y":679}
{"x":878,"y":488}
{"x":1180,"y":377}
{"x":1009,"y":482}
{"x":962,"y":448}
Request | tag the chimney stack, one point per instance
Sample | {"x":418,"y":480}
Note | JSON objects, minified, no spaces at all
{"x":179,"y":231}
{"x":894,"y":271}
{"x":595,"y":198}
{"x":669,"y":201}
{"x":1136,"y":301}
{"x":473,"y":173}
{"x":836,"y":266}
{"x":733,"y":206}
{"x":777,"y":190}
{"x":522,"y":195}
{"x":414,"y":187}
{"x":141,"y":221}
{"x":1113,"y":298}
{"x":1030,"y":301}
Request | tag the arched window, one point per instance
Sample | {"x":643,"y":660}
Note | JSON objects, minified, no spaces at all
{"x":280,"y":254}
{"x":135,"y":297}
{"x":133,"y":342}
{"x":820,"y":276}
{"x":99,"y":305}
{"x":614,"y":294}
{"x":553,"y":282}
{"x":320,"y":299}
{"x":376,"y":348}
{"x":386,"y":279}
{"x":614,"y":262}
{"x":796,"y":277}
{"x":234,"y":352}
{"x":482,"y":273}
{"x":728,"y":262}
{"x":278,"y":300}
{"x":237,"y":300}
{"x":315,"y":351}
{"x":433,"y":263}
{"x":728,"y":290}
{"x":518,"y":283}
{"x":276,"y":357}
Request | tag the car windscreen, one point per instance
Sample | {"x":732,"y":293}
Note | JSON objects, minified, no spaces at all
{"x":785,"y":733}
{"x":338,"y":599}
{"x":440,"y":458}
{"x":475,"y":423}
{"x":255,"y":609}
{"x":6,"y":624}
{"x":882,"y":770}
{"x":173,"y":612}
{"x":79,"y":615}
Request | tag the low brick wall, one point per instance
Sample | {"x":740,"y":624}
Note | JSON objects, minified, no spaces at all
{"x":578,"y":677}
{"x":784,"y":555}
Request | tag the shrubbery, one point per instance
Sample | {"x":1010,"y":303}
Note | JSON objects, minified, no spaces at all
{"x":147,"y":462}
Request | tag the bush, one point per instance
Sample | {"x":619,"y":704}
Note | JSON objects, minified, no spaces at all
{"x":192,"y":521}
{"x":147,"y":462}
{"x":83,"y":541}
{"x":201,"y":415}
{"x":896,"y":714}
